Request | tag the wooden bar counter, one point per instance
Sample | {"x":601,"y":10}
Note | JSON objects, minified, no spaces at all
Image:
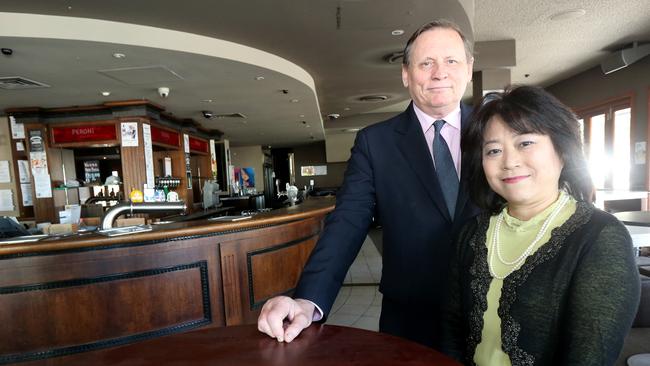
{"x":88,"y":292}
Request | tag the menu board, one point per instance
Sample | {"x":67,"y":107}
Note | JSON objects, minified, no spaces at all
{"x":91,"y":171}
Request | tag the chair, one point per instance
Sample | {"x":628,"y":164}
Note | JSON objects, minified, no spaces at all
{"x":636,"y":350}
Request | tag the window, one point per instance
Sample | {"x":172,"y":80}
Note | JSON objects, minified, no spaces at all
{"x":606,"y":134}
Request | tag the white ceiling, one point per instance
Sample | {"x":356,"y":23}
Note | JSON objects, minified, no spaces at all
{"x":325,"y":53}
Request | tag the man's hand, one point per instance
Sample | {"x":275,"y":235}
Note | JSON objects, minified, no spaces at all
{"x":298,"y":312}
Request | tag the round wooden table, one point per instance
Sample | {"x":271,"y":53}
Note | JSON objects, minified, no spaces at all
{"x":246,"y":346}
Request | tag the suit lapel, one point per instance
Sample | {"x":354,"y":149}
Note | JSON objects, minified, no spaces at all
{"x":413,"y":145}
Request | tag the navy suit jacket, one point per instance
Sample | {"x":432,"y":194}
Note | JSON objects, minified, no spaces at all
{"x":390,"y":176}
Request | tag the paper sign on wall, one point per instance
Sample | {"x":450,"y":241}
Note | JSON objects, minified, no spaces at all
{"x":129,"y":133}
{"x":5,"y":174}
{"x":23,"y":171}
{"x":26,"y":189}
{"x":148,"y":154}
{"x":17,"y":129}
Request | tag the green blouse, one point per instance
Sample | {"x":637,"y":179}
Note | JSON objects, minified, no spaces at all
{"x":515,"y":236}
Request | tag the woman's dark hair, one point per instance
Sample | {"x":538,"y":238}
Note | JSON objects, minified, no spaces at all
{"x":526,"y":109}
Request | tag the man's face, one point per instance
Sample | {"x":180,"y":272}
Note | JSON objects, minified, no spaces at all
{"x":438,"y":71}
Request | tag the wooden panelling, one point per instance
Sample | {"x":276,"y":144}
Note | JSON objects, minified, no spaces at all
{"x":133,"y":169}
{"x":269,"y":264}
{"x":137,"y":303}
{"x":276,"y":270}
{"x":74,"y":302}
{"x":178,"y":170}
{"x":43,"y":207}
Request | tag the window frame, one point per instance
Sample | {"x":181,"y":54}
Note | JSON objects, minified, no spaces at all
{"x":608,"y":108}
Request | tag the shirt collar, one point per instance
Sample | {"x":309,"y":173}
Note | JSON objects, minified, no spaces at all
{"x":426,"y":121}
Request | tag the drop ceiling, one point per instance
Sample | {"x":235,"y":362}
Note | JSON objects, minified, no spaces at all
{"x":315,"y":58}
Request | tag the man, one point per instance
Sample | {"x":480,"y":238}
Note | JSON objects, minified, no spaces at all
{"x":391,"y":176}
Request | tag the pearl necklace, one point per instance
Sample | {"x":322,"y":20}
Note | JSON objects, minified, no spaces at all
{"x":495,"y":247}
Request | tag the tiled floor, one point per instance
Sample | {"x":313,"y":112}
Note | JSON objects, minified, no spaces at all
{"x":359,"y":302}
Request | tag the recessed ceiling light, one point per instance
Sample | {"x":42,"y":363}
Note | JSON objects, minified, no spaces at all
{"x":346,"y":108}
{"x":258,"y":78}
{"x":106,"y":93}
{"x":373,"y":98}
{"x":568,"y":14}
{"x":294,"y":100}
{"x":207,"y":101}
{"x":302,"y":116}
{"x":397,"y":32}
{"x":119,"y":55}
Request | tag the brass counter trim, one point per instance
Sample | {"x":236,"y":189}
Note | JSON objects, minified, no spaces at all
{"x":203,"y":230}
{"x":138,"y":243}
{"x":63,"y":351}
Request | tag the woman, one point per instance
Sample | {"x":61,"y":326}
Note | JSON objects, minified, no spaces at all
{"x":542,"y":277}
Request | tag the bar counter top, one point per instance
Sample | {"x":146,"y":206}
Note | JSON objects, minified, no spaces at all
{"x":87,"y":292}
{"x":312,"y":207}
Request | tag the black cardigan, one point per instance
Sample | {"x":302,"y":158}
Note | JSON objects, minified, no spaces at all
{"x":571,"y":303}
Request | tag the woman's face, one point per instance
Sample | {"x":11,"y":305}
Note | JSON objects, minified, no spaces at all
{"x":524,"y":169}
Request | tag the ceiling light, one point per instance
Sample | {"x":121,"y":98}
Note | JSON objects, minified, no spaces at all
{"x":258,"y":78}
{"x":106,"y":93}
{"x":119,"y":55}
{"x":294,"y":100}
{"x":394,"y":57}
{"x":206,"y":100}
{"x":302,"y":116}
{"x":397,"y":32}
{"x":373,"y":98}
{"x":346,"y":108}
{"x":568,"y":14}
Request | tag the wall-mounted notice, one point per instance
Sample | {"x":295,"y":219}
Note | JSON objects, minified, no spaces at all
{"x":17,"y":129}
{"x":26,"y":189}
{"x":5,"y":174}
{"x":6,"y":200}
{"x":129,"y":133}
{"x":23,"y":171}
{"x":42,"y":185}
{"x":148,"y":154}
{"x":213,"y":159}
{"x":311,"y":170}
{"x":639,"y":152}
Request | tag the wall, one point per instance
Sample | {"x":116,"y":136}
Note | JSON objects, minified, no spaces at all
{"x":592,"y":86}
{"x":314,"y":154}
{"x":5,"y":154}
{"x":338,"y":146}
{"x":250,"y":156}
